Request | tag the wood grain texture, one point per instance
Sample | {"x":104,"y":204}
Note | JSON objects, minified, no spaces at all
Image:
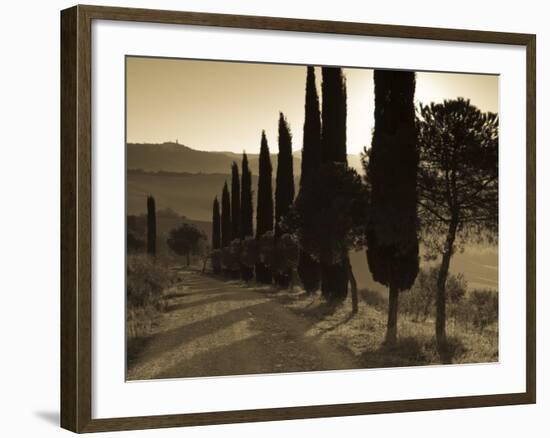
{"x":76,"y":224}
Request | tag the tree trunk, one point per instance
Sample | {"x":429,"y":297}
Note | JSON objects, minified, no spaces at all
{"x":353,"y":283}
{"x":440,"y":303}
{"x":391,"y":331}
{"x":188,"y":259}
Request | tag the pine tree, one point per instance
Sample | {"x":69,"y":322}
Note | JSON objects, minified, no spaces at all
{"x":151,"y":227}
{"x":235,"y":202}
{"x":308,"y":268}
{"x":392,"y":241}
{"x":458,"y":149}
{"x":246,"y":213}
{"x":264,"y":212}
{"x":216,"y":231}
{"x":334,"y":274}
{"x":226,"y":217}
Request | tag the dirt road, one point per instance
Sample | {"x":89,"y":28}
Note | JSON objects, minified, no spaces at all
{"x":214,"y":328}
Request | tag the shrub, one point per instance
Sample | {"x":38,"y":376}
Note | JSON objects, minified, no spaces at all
{"x":480,"y":308}
{"x":375,"y":299}
{"x":216,"y":260}
{"x":419,"y":301}
{"x":231,"y":256}
{"x":145,"y":281}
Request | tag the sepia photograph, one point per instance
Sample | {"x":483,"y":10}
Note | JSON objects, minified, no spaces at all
{"x":302,"y":218}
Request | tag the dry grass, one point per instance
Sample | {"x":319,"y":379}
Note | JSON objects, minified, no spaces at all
{"x":363,"y":334}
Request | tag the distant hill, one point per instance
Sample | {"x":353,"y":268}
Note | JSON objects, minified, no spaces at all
{"x":173,"y":157}
{"x":188,"y":194}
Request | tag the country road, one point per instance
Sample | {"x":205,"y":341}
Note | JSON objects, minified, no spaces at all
{"x":215,"y":328}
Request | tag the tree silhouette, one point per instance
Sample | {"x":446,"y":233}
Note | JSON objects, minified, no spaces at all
{"x":216,"y":235}
{"x":151,"y":227}
{"x":458,"y":185}
{"x":185,"y":240}
{"x":226,"y":217}
{"x":391,"y":167}
{"x":246,"y":200}
{"x":308,"y":268}
{"x":247,"y":270}
{"x":216,"y":230}
{"x":284,"y":190}
{"x":334,"y":114}
{"x":235,"y":202}
{"x":334,"y":274}
{"x":339,"y":199}
{"x":264,"y":212}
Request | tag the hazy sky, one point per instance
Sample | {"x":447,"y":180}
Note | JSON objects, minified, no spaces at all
{"x":223,"y":106}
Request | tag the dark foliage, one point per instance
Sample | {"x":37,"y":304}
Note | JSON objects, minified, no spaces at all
{"x":284,"y":189}
{"x":226,"y":217}
{"x":264,"y":212}
{"x":308,"y":268}
{"x":134,"y":244}
{"x":339,"y":199}
{"x":235,"y":202}
{"x":216,"y":225}
{"x":151,"y":227}
{"x":458,"y":185}
{"x":391,"y":167}
{"x":216,"y":234}
{"x":186,"y":240}
{"x":334,"y":113}
{"x":334,"y":274}
{"x":246,"y":229}
{"x":246,"y":200}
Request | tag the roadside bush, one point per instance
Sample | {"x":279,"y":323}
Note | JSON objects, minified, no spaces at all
{"x":266,"y":248}
{"x":419,"y":301}
{"x":231,"y":258}
{"x":248,"y":257}
{"x":216,"y":260}
{"x":145,"y":281}
{"x":479,"y":309}
{"x":374,"y":299}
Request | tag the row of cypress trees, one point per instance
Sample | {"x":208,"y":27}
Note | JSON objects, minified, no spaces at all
{"x":236,"y":218}
{"x":324,"y":143}
{"x":391,"y":223}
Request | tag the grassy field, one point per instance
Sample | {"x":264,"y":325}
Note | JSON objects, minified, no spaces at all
{"x":363,"y":334}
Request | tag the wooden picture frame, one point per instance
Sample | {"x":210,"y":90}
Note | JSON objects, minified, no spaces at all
{"x":76,"y":217}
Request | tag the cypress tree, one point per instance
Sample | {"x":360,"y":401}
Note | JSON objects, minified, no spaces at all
{"x":264,"y":211}
{"x":151,"y":227}
{"x":284,"y":189}
{"x":226,"y":217}
{"x":216,"y":231}
{"x":246,"y":228}
{"x":246,"y":199}
{"x":334,"y":113}
{"x":308,"y":267}
{"x":334,"y":274}
{"x":392,"y":241}
{"x":235,"y":202}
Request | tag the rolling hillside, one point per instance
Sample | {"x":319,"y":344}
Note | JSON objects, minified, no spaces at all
{"x":173,"y":157}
